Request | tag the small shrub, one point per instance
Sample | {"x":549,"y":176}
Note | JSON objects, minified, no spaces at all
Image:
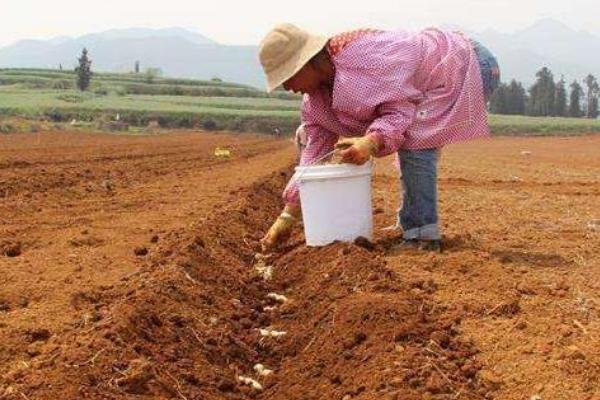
{"x":120,"y":91}
{"x":177,"y":91}
{"x":6,"y":127}
{"x":208,"y":124}
{"x":61,"y":84}
{"x":55,"y":115}
{"x":152,"y":127}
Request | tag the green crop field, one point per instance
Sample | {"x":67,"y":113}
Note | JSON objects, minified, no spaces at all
{"x":541,"y":126}
{"x":229,"y":113}
{"x":138,"y":99}
{"x":32,"y":101}
{"x":131,"y":83}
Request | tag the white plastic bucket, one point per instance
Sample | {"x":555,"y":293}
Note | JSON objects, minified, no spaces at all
{"x":336,"y":202}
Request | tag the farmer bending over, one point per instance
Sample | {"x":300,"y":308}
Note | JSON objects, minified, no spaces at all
{"x":374,"y":93}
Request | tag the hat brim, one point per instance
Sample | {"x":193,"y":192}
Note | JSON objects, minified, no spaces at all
{"x":284,"y":72}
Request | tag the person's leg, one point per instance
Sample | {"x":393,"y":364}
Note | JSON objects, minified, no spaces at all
{"x":418,"y":216}
{"x":408,"y":215}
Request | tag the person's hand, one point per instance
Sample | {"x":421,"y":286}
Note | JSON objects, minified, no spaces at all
{"x":281,"y":228}
{"x":357,"y":150}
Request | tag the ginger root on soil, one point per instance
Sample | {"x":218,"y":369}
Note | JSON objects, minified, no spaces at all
{"x":250,"y":382}
{"x":277,"y":297}
{"x":271,"y":333}
{"x":262,"y":371}
{"x":264,"y":270}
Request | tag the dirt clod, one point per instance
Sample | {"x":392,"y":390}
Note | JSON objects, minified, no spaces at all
{"x":38,"y":335}
{"x":140,"y":251}
{"x":441,"y":338}
{"x":435,"y":384}
{"x":136,"y":378}
{"x":226,"y":385}
{"x":364,"y":243}
{"x":10,"y":249}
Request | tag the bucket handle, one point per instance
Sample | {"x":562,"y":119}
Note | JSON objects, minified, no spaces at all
{"x":338,"y":147}
{"x":313,"y":162}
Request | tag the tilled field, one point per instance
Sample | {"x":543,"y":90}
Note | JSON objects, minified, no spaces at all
{"x":129,"y":270}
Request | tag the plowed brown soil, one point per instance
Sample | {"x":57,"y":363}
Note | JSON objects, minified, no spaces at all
{"x":128,"y":270}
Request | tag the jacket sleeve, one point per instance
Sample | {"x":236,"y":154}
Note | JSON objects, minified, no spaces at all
{"x":393,"y":119}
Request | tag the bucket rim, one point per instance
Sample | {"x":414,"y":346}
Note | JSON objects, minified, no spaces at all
{"x":333,"y":171}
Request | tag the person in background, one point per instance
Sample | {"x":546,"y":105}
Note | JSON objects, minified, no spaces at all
{"x":372,"y":93}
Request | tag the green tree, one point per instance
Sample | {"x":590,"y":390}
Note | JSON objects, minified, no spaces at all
{"x":499,"y":101}
{"x":518,"y":98}
{"x":509,"y":99}
{"x":152,"y":74}
{"x":560,"y":102}
{"x":575,"y":100}
{"x":541,"y":94}
{"x":592,"y":96}
{"x":593,"y":108}
{"x":84,"y":71}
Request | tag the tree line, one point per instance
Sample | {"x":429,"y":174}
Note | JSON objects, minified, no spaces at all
{"x":548,"y":98}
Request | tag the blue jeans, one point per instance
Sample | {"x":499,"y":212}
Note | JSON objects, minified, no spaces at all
{"x":419,"y":215}
{"x":490,"y":71}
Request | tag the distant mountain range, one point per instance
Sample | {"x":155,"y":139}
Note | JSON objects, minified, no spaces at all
{"x":177,"y":52}
{"x":548,"y":42}
{"x":183,"y":53}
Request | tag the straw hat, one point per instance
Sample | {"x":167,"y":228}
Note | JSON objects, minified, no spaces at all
{"x":285,"y":50}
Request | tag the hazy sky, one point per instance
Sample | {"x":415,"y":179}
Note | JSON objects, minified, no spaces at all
{"x":245,"y":22}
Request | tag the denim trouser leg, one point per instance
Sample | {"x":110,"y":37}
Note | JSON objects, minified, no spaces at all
{"x":418,"y":216}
